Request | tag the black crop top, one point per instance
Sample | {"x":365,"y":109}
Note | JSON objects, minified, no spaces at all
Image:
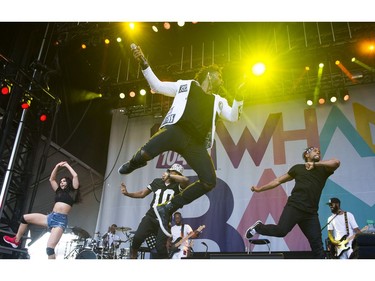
{"x":63,"y":195}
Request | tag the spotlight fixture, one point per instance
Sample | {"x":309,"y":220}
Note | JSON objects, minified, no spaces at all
{"x":333,"y":99}
{"x":322,"y":99}
{"x":167,"y":25}
{"x":142,"y":92}
{"x":25,"y":104}
{"x":5,"y":88}
{"x":344,"y":95}
{"x":43,"y":117}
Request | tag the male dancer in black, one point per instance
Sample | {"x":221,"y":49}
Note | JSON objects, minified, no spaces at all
{"x":188,"y":129}
{"x":302,"y":205}
{"x":171,"y":183}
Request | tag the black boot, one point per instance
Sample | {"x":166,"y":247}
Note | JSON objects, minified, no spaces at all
{"x":164,"y":213}
{"x":135,"y":163}
{"x":129,"y":167}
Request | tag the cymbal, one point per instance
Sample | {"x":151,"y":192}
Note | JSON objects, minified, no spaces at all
{"x":80,"y":232}
{"x":123,"y":228}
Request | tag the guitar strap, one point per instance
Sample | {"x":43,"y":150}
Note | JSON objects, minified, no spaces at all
{"x":182,"y":230}
{"x":346,"y":224}
{"x":328,"y":222}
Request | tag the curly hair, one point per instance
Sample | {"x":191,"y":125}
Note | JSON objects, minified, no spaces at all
{"x":202,"y":73}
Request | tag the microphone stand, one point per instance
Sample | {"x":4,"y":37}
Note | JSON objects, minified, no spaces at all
{"x":204,"y":244}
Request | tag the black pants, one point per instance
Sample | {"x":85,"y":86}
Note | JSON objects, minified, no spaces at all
{"x":174,"y":138}
{"x":309,"y":224}
{"x":150,"y":225}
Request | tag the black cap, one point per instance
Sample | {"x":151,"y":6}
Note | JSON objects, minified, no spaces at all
{"x":333,"y":200}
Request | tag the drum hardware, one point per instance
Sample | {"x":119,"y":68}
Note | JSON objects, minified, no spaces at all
{"x":73,"y":253}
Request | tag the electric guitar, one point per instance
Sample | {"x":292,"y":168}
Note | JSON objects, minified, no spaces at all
{"x":177,"y":243}
{"x":343,"y":246}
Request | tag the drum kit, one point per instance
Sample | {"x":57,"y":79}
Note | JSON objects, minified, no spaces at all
{"x":86,"y":247}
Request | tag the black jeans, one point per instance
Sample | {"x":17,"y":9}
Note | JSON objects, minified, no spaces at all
{"x":150,"y":225}
{"x":309,"y":224}
{"x":174,"y":138}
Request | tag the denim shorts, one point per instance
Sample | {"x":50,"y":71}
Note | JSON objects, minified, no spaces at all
{"x":57,"y":220}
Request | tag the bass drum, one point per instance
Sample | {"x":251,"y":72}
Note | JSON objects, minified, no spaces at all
{"x":86,"y":254}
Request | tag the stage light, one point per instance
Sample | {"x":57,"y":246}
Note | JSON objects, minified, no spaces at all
{"x":333,"y":99}
{"x":154,"y":28}
{"x":258,"y":69}
{"x":132,"y":94}
{"x":181,"y":23}
{"x":321,"y":65}
{"x":142,"y":92}
{"x":119,"y":39}
{"x":43,"y":117}
{"x":25,"y":104}
{"x":322,"y":100}
{"x":345,"y":71}
{"x":367,"y":47}
{"x":106,"y":41}
{"x":132,"y":25}
{"x":355,"y":60}
{"x":167,"y":25}
{"x":344,"y":95}
{"x":309,"y":102}
{"x":6,"y":88}
{"x":122,"y":96}
{"x":83,"y":46}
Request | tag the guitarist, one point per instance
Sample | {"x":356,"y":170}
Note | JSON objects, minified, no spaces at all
{"x":180,"y":230}
{"x":341,"y":226}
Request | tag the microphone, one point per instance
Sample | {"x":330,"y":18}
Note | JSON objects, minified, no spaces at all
{"x":134,"y":47}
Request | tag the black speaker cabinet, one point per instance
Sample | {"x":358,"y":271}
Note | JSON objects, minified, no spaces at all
{"x":364,"y":246}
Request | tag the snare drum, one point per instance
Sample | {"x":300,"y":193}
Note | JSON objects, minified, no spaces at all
{"x":86,"y":254}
